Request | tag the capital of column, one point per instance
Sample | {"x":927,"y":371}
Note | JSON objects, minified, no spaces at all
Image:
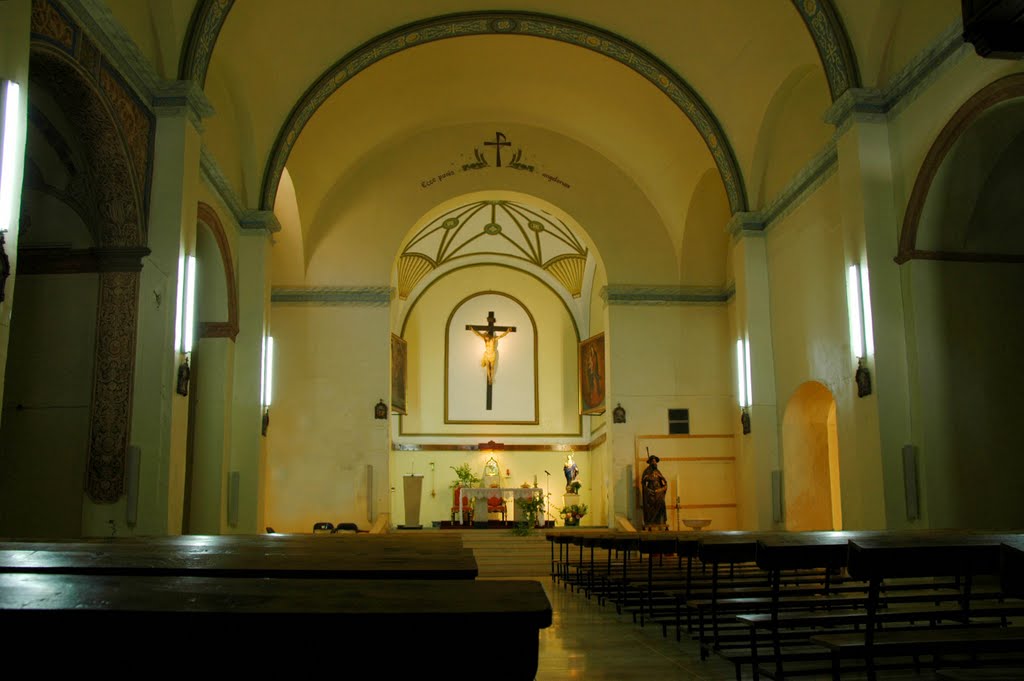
{"x":255,"y":221}
{"x":173,"y":97}
{"x":860,"y":104}
{"x":746,"y":224}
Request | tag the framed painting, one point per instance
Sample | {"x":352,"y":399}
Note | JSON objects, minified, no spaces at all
{"x":399,"y":362}
{"x":591,"y":358}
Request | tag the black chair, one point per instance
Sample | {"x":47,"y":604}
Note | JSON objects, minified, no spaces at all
{"x":323,"y":528}
{"x":345,"y":527}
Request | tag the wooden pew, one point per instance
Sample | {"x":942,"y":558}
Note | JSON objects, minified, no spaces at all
{"x":260,"y":595}
{"x":268,"y":625}
{"x":963,"y":555}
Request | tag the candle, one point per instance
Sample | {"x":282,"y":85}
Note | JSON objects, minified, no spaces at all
{"x":534,"y":479}
{"x":677,"y":490}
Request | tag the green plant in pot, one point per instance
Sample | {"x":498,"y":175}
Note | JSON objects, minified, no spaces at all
{"x":527,"y":512}
{"x":465,"y":477}
{"x":573,"y":487}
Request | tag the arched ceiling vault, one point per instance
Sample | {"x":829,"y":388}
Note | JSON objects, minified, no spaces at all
{"x":820,"y":18}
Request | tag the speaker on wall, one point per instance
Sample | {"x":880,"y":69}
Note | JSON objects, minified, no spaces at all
{"x":777,"y":496}
{"x":234,"y":483}
{"x":910,"y":482}
{"x":131,"y":482}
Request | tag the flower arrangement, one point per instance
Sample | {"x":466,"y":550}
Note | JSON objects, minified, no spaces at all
{"x":529,"y":511}
{"x":573,"y":487}
{"x":572,"y":513}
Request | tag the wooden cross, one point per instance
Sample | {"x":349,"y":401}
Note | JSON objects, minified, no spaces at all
{"x":498,"y":143}
{"x":490,"y":335}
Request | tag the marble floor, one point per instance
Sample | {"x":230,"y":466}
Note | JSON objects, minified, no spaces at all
{"x":590,"y":642}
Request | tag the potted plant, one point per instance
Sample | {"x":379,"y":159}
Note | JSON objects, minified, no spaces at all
{"x":573,"y":487}
{"x":528,"y":512}
{"x":572,"y":513}
{"x":464,"y":478}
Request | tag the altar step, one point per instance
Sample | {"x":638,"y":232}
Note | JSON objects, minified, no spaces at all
{"x":503,"y":554}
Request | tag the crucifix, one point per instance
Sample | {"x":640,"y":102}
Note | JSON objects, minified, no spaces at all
{"x":498,"y":143}
{"x":490,"y":335}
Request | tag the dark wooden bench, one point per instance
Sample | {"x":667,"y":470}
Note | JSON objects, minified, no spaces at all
{"x":273,"y":599}
{"x":268,"y":625}
{"x":938,"y":554}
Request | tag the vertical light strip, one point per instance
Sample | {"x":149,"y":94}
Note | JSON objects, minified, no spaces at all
{"x":190,"y":304}
{"x":12,"y":108}
{"x":263,"y":374}
{"x":853,"y":309}
{"x":865,"y":295}
{"x":270,"y":371}
{"x":179,"y":303}
{"x":741,"y":387}
{"x":750,"y":384}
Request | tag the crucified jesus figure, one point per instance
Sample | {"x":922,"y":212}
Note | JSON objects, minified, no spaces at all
{"x":490,"y":357}
{"x":490,"y":333}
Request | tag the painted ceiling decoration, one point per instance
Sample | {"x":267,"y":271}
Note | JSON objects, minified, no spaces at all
{"x":833,"y":43}
{"x":494,"y":227}
{"x":208,"y":17}
{"x":509,"y":23}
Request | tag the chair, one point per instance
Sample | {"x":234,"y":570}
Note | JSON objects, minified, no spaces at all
{"x":467,"y":507}
{"x":346,"y":528}
{"x":322,"y":528}
{"x":495,"y":504}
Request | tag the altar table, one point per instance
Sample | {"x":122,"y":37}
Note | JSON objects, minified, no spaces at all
{"x":482,"y":494}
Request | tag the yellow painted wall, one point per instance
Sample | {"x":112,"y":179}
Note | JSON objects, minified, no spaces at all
{"x":331,"y":367}
{"x":425,"y":331}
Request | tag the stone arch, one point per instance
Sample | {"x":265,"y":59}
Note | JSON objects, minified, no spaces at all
{"x":223,"y":329}
{"x":116,"y":132}
{"x":509,"y":23}
{"x":997,"y":92}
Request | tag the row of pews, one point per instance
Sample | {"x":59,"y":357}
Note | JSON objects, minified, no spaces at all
{"x":262,"y":603}
{"x":784,"y":604}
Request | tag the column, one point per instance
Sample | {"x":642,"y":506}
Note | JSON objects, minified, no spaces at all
{"x":872,"y":429}
{"x":15,"y":17}
{"x":159,"y":422}
{"x":757,"y":453}
{"x":248,"y":446}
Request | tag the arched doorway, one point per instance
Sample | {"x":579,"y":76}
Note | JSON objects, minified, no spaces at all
{"x":73,"y":329}
{"x":965,"y":254}
{"x":810,"y":447}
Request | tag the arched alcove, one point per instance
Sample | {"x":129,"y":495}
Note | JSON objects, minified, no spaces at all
{"x":810,"y":449}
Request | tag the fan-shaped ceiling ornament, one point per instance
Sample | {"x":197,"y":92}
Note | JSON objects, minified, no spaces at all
{"x":497,"y":228}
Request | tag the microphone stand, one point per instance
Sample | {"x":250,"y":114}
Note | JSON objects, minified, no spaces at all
{"x":547,"y":506}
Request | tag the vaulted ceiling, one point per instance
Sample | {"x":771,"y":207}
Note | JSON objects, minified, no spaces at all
{"x":659,"y":119}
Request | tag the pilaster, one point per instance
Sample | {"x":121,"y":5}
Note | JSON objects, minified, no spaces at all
{"x":873,"y":428}
{"x":248,"y":446}
{"x":757,"y":451}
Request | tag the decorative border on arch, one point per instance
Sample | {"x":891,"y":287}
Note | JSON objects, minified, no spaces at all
{"x":229,"y":329}
{"x":833,"y":43}
{"x":510,"y":23}
{"x":1008,"y":87}
{"x":203,"y":28}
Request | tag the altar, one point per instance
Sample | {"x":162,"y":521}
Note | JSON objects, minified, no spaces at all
{"x":480,"y":495}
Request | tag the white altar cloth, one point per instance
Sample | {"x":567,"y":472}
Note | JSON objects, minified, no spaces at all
{"x":484,"y":493}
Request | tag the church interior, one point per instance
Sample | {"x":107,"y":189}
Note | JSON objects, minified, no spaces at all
{"x":265,"y":263}
{"x":778,"y":236}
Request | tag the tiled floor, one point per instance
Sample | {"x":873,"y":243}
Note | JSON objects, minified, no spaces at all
{"x":590,"y":642}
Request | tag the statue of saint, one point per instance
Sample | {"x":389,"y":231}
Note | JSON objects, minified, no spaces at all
{"x":654,"y":486}
{"x":571,"y":472}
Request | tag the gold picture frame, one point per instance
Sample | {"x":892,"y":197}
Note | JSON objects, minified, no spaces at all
{"x":399,"y":363}
{"x":592,"y":375}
